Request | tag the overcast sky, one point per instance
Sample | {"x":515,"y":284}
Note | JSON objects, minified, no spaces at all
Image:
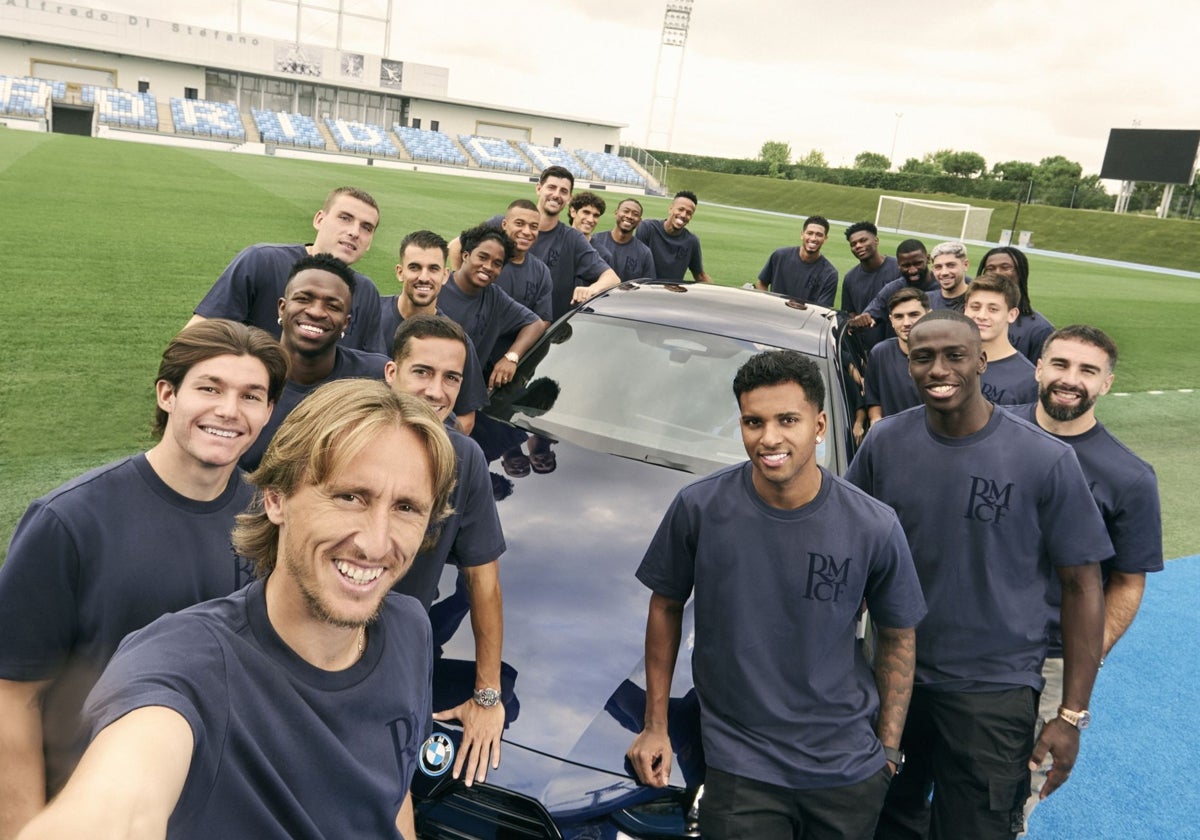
{"x":1010,"y":79}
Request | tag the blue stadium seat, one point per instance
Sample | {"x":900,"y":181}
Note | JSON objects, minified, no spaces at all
{"x":361,"y":138}
{"x":207,"y":119}
{"x":429,"y":145}
{"x":611,"y":168}
{"x":544,"y":156}
{"x":492,"y":153}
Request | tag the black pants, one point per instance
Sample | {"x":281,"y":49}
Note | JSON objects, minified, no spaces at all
{"x":971,"y":753}
{"x":737,"y":808}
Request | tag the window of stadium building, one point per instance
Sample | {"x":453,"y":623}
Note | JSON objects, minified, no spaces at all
{"x":279,"y":95}
{"x":220,"y":87}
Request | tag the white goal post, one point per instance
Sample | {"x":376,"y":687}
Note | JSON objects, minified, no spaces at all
{"x":935,"y":218}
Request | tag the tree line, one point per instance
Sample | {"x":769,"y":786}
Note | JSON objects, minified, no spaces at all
{"x":1055,"y":181}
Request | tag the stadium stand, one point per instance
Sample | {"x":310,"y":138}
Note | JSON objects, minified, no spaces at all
{"x":611,"y":168}
{"x":24,"y":96}
{"x":491,"y":153}
{"x":362,"y":138}
{"x":207,"y":119}
{"x":288,"y":129}
{"x":429,"y":145}
{"x":123,"y":108}
{"x":543,"y":156}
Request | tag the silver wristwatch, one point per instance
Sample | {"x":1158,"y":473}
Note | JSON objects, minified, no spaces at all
{"x":487,"y":697}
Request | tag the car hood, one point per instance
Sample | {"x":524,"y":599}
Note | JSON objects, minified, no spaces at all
{"x":575,"y":617}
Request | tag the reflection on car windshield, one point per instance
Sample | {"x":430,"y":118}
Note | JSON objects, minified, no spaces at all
{"x":646,"y":391}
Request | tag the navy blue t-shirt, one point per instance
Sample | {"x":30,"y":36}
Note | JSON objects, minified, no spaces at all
{"x":888,"y":383}
{"x":1009,"y":381}
{"x":988,"y":516}
{"x":859,"y":288}
{"x":786,"y":696}
{"x":250,"y":287}
{"x":631,"y":260}
{"x":878,"y":307}
{"x":1028,"y":333}
{"x":1126,"y":491}
{"x":937,"y":300}
{"x":348,"y":364}
{"x":282,"y":749}
{"x":571,"y":259}
{"x":485,"y":316}
{"x":674,"y":255}
{"x":473,"y":395}
{"x":529,"y":284}
{"x":787,"y":274}
{"x":471,"y":536}
{"x":94,"y":560}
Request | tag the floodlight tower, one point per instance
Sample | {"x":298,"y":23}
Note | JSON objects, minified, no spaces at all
{"x":668,"y":73}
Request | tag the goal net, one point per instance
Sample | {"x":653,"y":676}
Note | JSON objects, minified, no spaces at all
{"x":935,"y":218}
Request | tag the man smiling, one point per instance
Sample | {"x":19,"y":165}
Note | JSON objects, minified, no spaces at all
{"x":427,"y":362}
{"x":252,"y":284}
{"x":1076,"y":367}
{"x":295,"y":707}
{"x":112,"y":550}
{"x":422,"y":272}
{"x":485,"y":311}
{"x":315,"y":310}
{"x":1003,"y":508}
{"x":803,"y":273}
{"x":676,"y":249}
{"x":780,"y":554}
{"x":621,"y":249}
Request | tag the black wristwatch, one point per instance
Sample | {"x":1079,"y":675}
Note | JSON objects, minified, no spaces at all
{"x":895,"y":756}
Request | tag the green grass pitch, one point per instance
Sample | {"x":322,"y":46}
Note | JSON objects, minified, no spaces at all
{"x":111,"y":244}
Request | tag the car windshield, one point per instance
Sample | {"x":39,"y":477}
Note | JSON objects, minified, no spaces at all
{"x":646,"y":391}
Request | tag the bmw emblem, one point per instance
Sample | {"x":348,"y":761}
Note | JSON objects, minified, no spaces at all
{"x":437,"y":755}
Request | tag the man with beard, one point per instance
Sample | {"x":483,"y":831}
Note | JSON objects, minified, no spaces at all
{"x":314,"y":312}
{"x":1076,"y":367}
{"x":627,"y":255}
{"x":913,"y":260}
{"x":1003,"y":509}
{"x":949,"y":262}
{"x":676,"y":249}
{"x":863,"y":282}
{"x":421,"y":272}
{"x":577,"y":270}
{"x":297,"y":706}
{"x":250,"y":287}
{"x":802,"y":273}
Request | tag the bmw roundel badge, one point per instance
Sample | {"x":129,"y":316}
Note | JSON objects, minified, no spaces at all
{"x":437,"y":755}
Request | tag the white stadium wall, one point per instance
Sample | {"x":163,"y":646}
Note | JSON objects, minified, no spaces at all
{"x":174,"y":56}
{"x":454,"y":118}
{"x":82,"y":66}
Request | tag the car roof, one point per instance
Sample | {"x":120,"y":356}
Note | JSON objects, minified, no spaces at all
{"x":721,"y":310}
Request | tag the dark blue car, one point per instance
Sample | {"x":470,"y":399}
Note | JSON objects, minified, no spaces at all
{"x":623,"y":402}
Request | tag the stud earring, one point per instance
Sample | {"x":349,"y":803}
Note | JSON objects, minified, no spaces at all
{"x":279,"y":321}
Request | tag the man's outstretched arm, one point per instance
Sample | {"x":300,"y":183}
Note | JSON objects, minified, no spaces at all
{"x":127,"y":783}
